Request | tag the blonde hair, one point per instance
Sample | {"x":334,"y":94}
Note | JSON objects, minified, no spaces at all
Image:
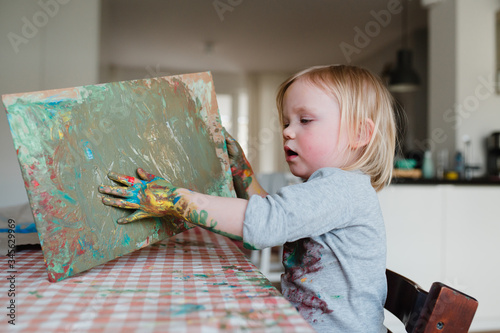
{"x":361,"y":95}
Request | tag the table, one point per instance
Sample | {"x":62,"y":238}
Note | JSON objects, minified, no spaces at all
{"x":197,"y":281}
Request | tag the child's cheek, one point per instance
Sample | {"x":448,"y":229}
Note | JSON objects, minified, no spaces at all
{"x":313,"y":150}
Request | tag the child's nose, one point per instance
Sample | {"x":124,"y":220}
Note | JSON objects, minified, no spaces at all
{"x":288,"y":132}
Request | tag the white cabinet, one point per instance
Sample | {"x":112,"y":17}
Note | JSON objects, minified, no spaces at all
{"x":450,"y":234}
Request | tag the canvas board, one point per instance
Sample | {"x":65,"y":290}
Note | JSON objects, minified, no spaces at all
{"x":67,"y":140}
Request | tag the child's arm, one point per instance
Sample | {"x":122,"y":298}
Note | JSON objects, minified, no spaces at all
{"x":153,"y":196}
{"x":244,"y":180}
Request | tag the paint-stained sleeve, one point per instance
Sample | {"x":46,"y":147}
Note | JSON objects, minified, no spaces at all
{"x":323,"y":203}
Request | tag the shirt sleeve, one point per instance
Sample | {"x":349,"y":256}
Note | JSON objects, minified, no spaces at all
{"x":304,"y":210}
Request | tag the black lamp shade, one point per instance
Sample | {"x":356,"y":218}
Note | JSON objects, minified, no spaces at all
{"x":404,"y":78}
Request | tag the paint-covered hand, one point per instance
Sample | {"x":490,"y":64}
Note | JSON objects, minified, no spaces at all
{"x":240,"y":167}
{"x":151,"y":196}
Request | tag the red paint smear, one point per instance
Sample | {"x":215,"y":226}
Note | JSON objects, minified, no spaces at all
{"x":54,"y":250}
{"x":35,"y":183}
{"x":30,"y":168}
{"x":53,"y":173}
{"x":300,"y":258}
{"x":80,"y":251}
{"x":129,"y":179}
{"x":45,"y":203}
{"x":54,"y":277}
{"x":54,"y":167}
{"x":52,"y":206}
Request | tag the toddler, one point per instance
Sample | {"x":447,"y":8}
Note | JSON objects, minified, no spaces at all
{"x":339,"y":137}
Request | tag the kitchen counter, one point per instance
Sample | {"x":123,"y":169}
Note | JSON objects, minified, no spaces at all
{"x":435,"y":181}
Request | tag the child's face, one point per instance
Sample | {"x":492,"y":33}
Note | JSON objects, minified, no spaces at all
{"x":311,"y":120}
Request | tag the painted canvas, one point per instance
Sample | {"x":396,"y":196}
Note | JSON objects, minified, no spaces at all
{"x":67,"y":140}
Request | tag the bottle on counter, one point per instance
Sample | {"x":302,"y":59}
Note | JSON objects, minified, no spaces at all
{"x":459,"y":164}
{"x":442,"y":164}
{"x":428,"y":165}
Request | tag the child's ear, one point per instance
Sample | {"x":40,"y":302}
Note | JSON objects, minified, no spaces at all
{"x":365,"y":133}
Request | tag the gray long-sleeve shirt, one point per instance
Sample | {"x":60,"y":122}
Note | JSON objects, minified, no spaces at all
{"x":334,"y":248}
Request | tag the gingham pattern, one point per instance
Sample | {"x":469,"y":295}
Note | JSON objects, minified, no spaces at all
{"x":195,"y":282}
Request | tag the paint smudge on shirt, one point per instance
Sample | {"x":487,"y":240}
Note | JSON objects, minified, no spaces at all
{"x":302,"y":259}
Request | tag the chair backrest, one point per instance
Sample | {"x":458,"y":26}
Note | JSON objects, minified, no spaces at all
{"x":441,"y":310}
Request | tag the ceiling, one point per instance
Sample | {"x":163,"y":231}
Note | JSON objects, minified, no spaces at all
{"x":249,"y":36}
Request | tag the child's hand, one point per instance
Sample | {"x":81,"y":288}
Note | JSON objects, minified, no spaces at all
{"x":151,"y":196}
{"x":236,"y":155}
{"x":240,"y":167}
{"x":244,"y":180}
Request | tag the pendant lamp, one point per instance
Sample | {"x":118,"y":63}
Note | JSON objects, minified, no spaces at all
{"x":403,"y":78}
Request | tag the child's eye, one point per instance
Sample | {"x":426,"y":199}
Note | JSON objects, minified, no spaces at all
{"x":305,"y":121}
{"x":285,"y":126}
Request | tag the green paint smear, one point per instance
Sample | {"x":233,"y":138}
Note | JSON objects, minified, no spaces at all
{"x":220,"y":284}
{"x":201,"y":275}
{"x":35,"y":293}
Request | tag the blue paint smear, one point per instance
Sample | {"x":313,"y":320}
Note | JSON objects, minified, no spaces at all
{"x":126,"y":240}
{"x":22,"y":228}
{"x":88,"y":151}
{"x":179,"y":310}
{"x":52,"y":113}
{"x":66,"y":197}
{"x":57,"y":103}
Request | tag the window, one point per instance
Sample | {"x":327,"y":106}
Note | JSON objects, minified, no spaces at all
{"x":233,"y":111}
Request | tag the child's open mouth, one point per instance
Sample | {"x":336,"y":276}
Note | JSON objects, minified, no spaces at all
{"x":290,"y":154}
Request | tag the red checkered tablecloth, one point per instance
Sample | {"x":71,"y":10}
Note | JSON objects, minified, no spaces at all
{"x":195,"y":282}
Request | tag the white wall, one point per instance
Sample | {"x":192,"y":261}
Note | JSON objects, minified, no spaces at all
{"x":462,"y":57}
{"x":265,"y":131}
{"x":43,"y":45}
{"x":479,"y":105}
{"x":442,"y":75}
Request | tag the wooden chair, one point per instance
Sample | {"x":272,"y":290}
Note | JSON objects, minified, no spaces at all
{"x":441,"y":310}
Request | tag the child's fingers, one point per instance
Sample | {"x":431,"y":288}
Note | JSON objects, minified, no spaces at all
{"x":138,"y":215}
{"x":232,"y":148}
{"x":120,"y":203}
{"x":114,"y":190}
{"x":144,"y":175}
{"x":123,"y":179}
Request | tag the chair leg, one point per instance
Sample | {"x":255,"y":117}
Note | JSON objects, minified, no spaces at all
{"x":265,"y":261}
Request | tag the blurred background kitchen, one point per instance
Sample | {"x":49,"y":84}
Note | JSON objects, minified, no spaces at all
{"x":440,"y":59}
